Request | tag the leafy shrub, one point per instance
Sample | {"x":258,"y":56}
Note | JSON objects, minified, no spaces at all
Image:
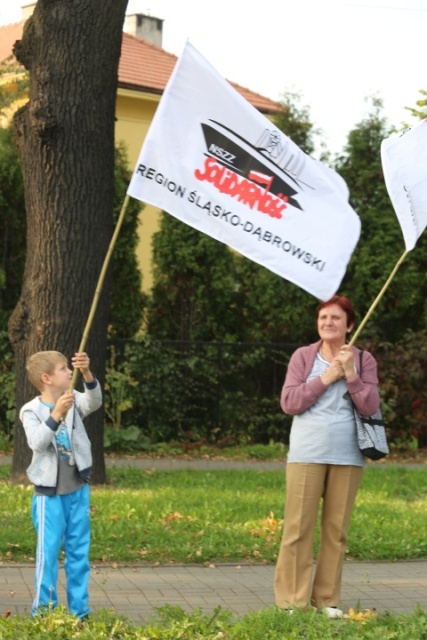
{"x":225,"y":394}
{"x":127,"y":301}
{"x":215,"y":392}
{"x":7,"y":396}
{"x":117,"y":400}
{"x":228,"y":394}
{"x":402,"y":371}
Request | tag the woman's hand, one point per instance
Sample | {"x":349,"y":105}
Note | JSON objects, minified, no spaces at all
{"x":334,"y":372}
{"x":346,"y":359}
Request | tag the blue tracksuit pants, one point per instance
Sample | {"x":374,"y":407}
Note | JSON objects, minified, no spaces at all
{"x":62,"y":521}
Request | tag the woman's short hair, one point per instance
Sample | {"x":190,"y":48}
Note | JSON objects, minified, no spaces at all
{"x":42,"y":362}
{"x":344,"y":304}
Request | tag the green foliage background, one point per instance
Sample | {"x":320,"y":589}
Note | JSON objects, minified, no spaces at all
{"x":12,"y":225}
{"x":127,"y":301}
{"x":403,"y":307}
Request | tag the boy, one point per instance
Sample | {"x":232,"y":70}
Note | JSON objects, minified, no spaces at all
{"x":59,"y":471}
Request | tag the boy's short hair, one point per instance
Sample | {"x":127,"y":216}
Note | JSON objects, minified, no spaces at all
{"x":42,"y":362}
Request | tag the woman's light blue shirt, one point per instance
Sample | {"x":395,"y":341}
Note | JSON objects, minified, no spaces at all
{"x":326,"y":432}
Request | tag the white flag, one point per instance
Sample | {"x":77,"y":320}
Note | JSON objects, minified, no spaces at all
{"x":404,"y":162}
{"x":213,"y":161}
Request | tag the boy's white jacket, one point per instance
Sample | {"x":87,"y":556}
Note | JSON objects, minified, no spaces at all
{"x":43,"y":470}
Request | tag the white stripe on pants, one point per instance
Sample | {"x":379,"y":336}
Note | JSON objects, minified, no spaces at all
{"x":62,"y":520}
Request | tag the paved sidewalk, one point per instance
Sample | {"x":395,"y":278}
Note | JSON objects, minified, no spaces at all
{"x":136,"y":591}
{"x":177,"y":464}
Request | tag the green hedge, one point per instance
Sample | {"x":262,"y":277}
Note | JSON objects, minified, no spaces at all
{"x":216,"y":392}
{"x":226,"y":393}
{"x":229,"y":393}
{"x":7,"y":395}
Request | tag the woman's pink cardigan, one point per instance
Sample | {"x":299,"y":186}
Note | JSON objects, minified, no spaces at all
{"x":298,"y":395}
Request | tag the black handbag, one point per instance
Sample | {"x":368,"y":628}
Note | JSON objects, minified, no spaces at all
{"x":371,"y":434}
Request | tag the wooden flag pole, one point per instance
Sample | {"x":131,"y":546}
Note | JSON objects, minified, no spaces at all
{"x":378,"y":298}
{"x":99,"y":286}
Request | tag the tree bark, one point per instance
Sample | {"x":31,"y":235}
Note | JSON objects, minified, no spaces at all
{"x":65,"y":135}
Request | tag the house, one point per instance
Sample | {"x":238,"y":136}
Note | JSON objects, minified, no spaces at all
{"x":144,"y":70}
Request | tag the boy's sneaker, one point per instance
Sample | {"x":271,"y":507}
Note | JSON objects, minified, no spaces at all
{"x":333,"y":613}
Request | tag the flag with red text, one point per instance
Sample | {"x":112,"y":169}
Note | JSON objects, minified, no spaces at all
{"x":213,"y":161}
{"x":404,"y":162}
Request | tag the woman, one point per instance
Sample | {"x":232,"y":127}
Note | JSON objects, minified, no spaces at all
{"x":324,"y":460}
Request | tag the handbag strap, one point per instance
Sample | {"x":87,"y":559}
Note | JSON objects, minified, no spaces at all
{"x":360,"y":365}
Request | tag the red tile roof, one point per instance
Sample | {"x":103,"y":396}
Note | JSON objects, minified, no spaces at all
{"x":142,"y":67}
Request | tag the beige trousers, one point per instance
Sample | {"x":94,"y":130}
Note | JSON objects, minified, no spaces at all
{"x":306,"y":484}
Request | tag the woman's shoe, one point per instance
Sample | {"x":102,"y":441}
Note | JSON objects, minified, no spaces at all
{"x":333,"y":613}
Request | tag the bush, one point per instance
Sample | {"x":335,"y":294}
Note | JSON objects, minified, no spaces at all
{"x":225,"y":394}
{"x":402,"y":371}
{"x":215,"y":392}
{"x":228,"y":393}
{"x":7,"y":396}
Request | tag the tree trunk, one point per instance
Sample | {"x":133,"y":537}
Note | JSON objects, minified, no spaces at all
{"x":65,"y":135}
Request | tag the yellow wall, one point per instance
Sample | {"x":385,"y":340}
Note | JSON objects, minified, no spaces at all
{"x":134,"y":112}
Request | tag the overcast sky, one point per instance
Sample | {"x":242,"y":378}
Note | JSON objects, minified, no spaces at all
{"x":335,"y":54}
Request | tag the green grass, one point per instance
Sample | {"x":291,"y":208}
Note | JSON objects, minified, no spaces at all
{"x":173,"y":623}
{"x":195,"y":516}
{"x":199,"y":449}
{"x":154,"y":516}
